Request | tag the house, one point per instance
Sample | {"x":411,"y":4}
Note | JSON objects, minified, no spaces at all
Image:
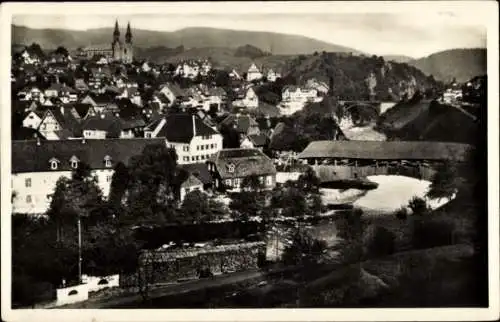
{"x":101,"y":126}
{"x":172,"y":92}
{"x":145,"y":67}
{"x":84,"y":110}
{"x":33,"y":119}
{"x":37,"y":165}
{"x":253,"y":73}
{"x":292,"y":93}
{"x":272,"y":76}
{"x":258,"y":141}
{"x":80,"y":85}
{"x":200,"y":171}
{"x":230,"y":167}
{"x":193,"y":140}
{"x":132,"y":128}
{"x":192,"y":183}
{"x":29,"y":58}
{"x":320,"y":87}
{"x":247,"y":98}
{"x":99,"y":102}
{"x":234,"y":75}
{"x":244,"y":124}
{"x":30,"y":93}
{"x":59,"y":123}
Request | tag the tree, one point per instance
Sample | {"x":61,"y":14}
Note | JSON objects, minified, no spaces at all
{"x":350,"y":229}
{"x":196,"y":207}
{"x":74,"y":197}
{"x":62,"y":51}
{"x":309,"y":182}
{"x":445,"y":181}
{"x":119,"y":183}
{"x":152,"y":174}
{"x":230,"y":137}
{"x":304,"y":250}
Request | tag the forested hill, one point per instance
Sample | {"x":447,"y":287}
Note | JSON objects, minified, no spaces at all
{"x":461,"y":64}
{"x":354,"y":77}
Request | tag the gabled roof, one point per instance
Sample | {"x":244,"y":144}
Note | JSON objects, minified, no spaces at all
{"x":241,"y":122}
{"x":191,"y":181}
{"x":103,"y":122}
{"x":386,"y":150}
{"x":27,"y":156}
{"x":82,"y":109}
{"x":258,"y":139}
{"x":246,"y":162}
{"x":182,"y":127}
{"x":198,"y":170}
{"x":174,"y":88}
{"x":65,"y":118}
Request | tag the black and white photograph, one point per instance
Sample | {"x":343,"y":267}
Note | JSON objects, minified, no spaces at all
{"x":252,"y":156}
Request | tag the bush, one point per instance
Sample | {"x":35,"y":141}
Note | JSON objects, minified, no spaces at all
{"x":418,"y":206}
{"x":432,"y":233}
{"x":401,"y":213}
{"x":381,"y":242}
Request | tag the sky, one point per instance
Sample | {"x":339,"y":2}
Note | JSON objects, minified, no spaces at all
{"x":410,"y":34}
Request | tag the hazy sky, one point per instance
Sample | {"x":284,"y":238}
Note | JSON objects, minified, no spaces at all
{"x":414,"y":35}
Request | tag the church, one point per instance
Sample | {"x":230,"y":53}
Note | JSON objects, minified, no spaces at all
{"x":119,"y":51}
{"x":122,"y":51}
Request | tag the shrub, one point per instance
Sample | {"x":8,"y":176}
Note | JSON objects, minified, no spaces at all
{"x":418,"y":206}
{"x":381,"y":242}
{"x":432,"y":233}
{"x":401,"y":213}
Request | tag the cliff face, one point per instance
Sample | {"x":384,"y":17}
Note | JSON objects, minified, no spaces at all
{"x":356,"y":77}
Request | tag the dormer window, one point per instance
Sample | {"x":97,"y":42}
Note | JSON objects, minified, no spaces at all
{"x":74,"y":162}
{"x":107,"y":161}
{"x":54,"y":163}
{"x":230,"y":168}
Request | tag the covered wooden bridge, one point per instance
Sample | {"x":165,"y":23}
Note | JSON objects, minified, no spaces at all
{"x":334,"y":160}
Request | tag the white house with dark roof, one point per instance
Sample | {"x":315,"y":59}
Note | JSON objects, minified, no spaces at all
{"x":37,"y":165}
{"x":247,"y":98}
{"x":33,"y":119}
{"x":193,"y":140}
{"x":230,"y":167}
{"x":253,"y":73}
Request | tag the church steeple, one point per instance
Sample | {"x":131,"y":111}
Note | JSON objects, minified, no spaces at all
{"x":116,"y":33}
{"x":128,"y":35}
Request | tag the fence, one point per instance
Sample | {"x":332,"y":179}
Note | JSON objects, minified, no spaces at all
{"x":335,"y":172}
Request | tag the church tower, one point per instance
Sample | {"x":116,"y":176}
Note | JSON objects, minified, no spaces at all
{"x":128,"y":51}
{"x":116,"y":45}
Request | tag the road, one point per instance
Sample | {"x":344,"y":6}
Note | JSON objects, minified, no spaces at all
{"x":120,"y":300}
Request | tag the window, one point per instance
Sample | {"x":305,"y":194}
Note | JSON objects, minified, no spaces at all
{"x":237,"y":182}
{"x":109,"y":178}
{"x":206,"y":146}
{"x":269,"y":180}
{"x":212,"y":146}
{"x":230,"y":168}
{"x":192,"y":158}
{"x":185,"y":148}
{"x":202,"y":157}
{"x":74,"y":164}
{"x":49,"y":197}
{"x":261,"y":180}
{"x":107,"y":161}
{"x":148,"y":135}
{"x":53,"y":165}
{"x":202,"y":147}
{"x":27,"y":182}
{"x":197,"y":158}
{"x":28,"y":199}
{"x":197,"y":147}
{"x":228,"y":182}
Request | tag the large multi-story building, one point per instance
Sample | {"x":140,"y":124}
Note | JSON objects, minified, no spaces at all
{"x":193,"y":140}
{"x":37,"y":165}
{"x":119,"y":51}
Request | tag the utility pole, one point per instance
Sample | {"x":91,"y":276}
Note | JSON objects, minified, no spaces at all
{"x":79,"y":249}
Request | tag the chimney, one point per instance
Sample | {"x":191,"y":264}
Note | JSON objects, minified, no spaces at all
{"x":102,"y":115}
{"x":62,"y":110}
{"x":83,"y":141}
{"x":194,"y":125}
{"x":38,"y":141}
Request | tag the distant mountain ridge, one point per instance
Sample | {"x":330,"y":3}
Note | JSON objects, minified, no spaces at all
{"x":276,"y":43}
{"x":462,"y":64}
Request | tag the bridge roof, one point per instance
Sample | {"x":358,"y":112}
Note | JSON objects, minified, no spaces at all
{"x":386,"y":150}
